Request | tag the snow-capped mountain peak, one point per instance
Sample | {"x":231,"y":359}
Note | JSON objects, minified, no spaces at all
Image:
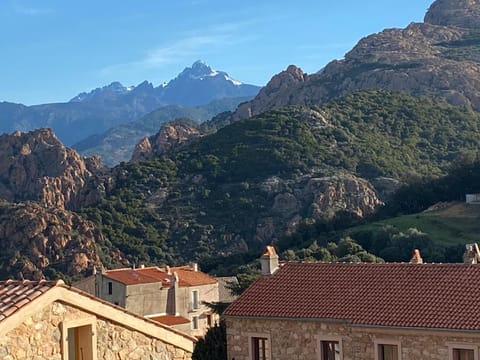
{"x":200,"y":70}
{"x":113,"y":88}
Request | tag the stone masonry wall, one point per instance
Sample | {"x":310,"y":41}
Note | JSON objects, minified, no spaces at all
{"x":296,"y":340}
{"x":39,"y":338}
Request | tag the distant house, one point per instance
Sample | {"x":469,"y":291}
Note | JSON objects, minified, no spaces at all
{"x":472,"y":198}
{"x":172,"y":296}
{"x":49,"y":320}
{"x":334,"y":311}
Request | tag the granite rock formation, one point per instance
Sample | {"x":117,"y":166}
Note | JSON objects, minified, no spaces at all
{"x":439,"y":57}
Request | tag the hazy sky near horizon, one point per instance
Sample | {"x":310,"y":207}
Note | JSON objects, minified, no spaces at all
{"x":51,"y":50}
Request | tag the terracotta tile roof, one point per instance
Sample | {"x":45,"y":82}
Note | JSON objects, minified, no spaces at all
{"x":189,"y":277}
{"x":16,"y":294}
{"x":170,"y":320}
{"x":146,"y":275}
{"x":442,"y":296}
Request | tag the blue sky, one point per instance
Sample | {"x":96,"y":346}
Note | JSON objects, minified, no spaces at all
{"x":51,"y":50}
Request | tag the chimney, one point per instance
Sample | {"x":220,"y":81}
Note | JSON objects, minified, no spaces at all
{"x":169,"y":271}
{"x":176,"y":294}
{"x":194,"y":267}
{"x":269,"y":261}
{"x":416,"y":257}
{"x":142,"y":266}
{"x":472,"y":254}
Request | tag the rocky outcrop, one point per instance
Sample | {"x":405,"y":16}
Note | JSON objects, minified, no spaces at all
{"x":36,"y":166}
{"x":314,"y":197}
{"x":460,"y":13}
{"x":347,"y":193}
{"x":170,"y":137}
{"x":273,"y":94}
{"x":44,"y":242}
{"x":438,"y":58}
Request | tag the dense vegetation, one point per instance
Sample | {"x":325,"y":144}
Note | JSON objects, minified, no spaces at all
{"x":210,"y":198}
{"x":401,"y":225}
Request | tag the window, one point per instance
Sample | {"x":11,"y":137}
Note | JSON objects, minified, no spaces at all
{"x":209,"y":320}
{"x":387,"y":350}
{"x":79,"y":339}
{"x":260,"y":348}
{"x":462,"y":352}
{"x":110,"y":288}
{"x":330,"y":350}
{"x":195,"y":300}
{"x":195,"y":322}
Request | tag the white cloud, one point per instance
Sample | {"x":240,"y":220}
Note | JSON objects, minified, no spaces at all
{"x":193,"y":45}
{"x":28,"y":10}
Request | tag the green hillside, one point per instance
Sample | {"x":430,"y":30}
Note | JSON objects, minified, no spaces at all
{"x":210,"y":197}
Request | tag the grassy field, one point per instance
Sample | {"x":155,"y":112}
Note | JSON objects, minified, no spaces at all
{"x":446,"y":223}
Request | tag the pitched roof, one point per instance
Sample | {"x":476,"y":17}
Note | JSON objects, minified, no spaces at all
{"x":187,"y":276}
{"x":190,"y":277}
{"x":146,"y":275}
{"x":441,"y":296}
{"x":15,"y":294}
{"x":21,"y":299}
{"x":170,"y":320}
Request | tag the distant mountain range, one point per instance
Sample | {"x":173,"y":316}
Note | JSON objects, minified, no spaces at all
{"x":100,"y":109}
{"x":117,"y":143}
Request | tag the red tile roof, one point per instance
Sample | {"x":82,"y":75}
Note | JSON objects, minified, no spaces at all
{"x":139,"y":276}
{"x":170,"y":320}
{"x":189,"y":277}
{"x":16,"y":294}
{"x":441,"y":296}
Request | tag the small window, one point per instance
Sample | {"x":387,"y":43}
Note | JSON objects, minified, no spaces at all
{"x":387,"y":350}
{"x":195,"y":300}
{"x":330,"y":350}
{"x":110,"y":288}
{"x":260,"y":348}
{"x":195,"y":323}
{"x":209,"y":320}
{"x":463,"y":352}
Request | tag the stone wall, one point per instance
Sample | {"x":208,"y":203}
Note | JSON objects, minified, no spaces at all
{"x":40,"y":338}
{"x":295,"y":340}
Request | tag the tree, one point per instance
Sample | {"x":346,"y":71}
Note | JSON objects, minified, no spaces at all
{"x":213,"y":346}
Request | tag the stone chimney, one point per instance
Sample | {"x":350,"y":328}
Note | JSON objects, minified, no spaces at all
{"x":269,"y":261}
{"x":416,"y":257}
{"x":175,"y":293}
{"x":472,"y":254}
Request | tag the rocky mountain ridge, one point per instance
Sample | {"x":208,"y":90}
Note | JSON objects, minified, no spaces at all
{"x":42,"y":183}
{"x":437,"y":58}
{"x":36,"y":166}
{"x":118,"y":143}
{"x":103,"y":108}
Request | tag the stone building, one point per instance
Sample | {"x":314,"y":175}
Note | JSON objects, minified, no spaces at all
{"x":172,"y":296}
{"x":49,"y":320}
{"x":338,"y":311}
